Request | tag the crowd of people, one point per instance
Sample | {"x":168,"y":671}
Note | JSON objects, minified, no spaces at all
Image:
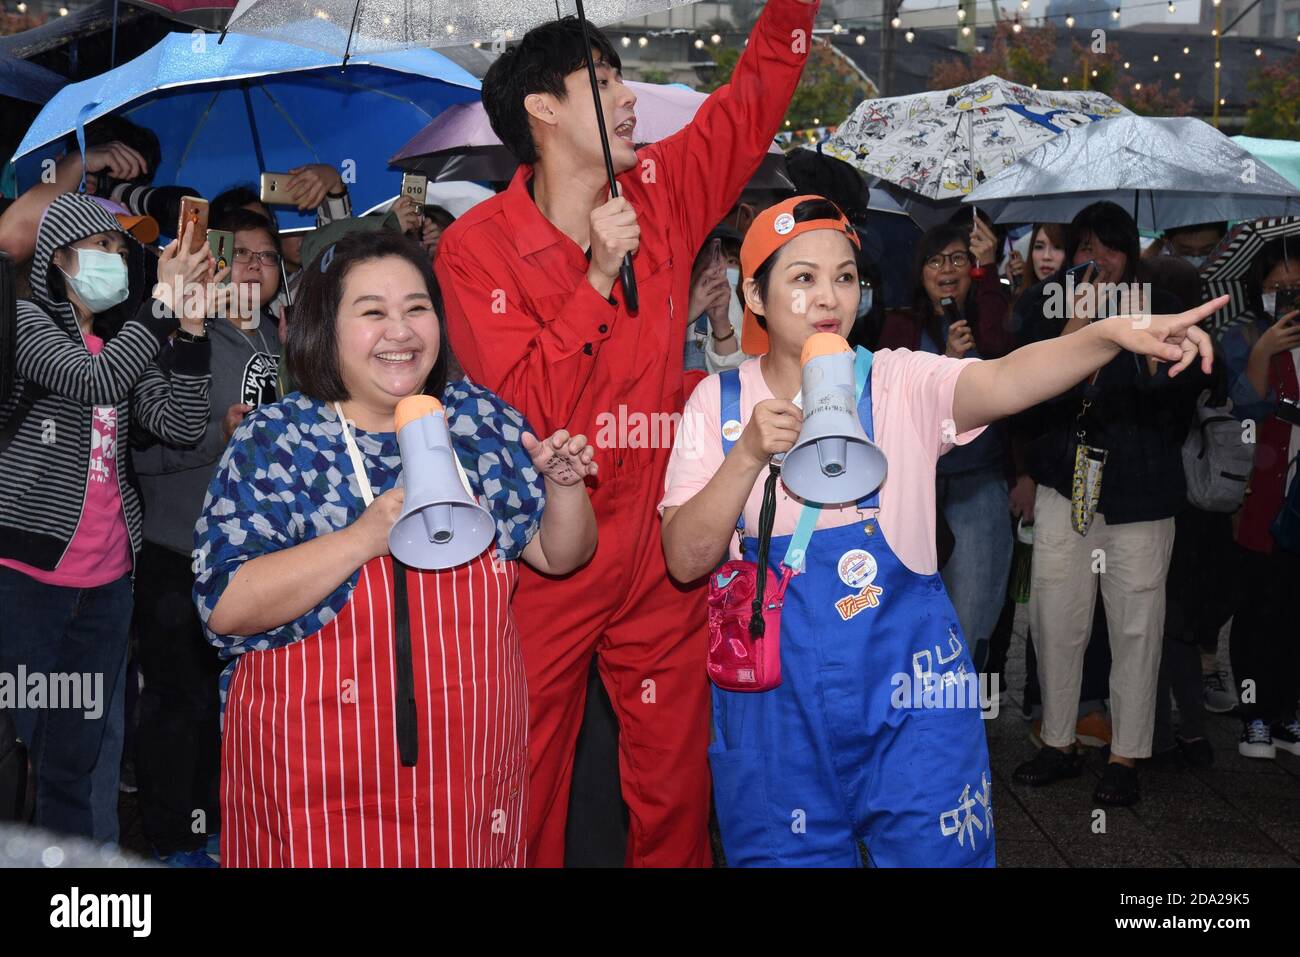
{"x":196,"y":496}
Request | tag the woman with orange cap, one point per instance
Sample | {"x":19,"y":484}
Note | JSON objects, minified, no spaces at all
{"x":375,"y":714}
{"x":872,"y":736}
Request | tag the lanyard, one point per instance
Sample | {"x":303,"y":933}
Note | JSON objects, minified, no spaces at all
{"x":358,"y":463}
{"x":797,"y":550}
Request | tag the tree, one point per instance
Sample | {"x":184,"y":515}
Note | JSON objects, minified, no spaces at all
{"x":1024,"y":58}
{"x":651,"y":75}
{"x":1275,"y":110}
{"x":827,"y":92}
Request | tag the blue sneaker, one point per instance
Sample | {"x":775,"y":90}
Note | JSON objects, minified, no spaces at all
{"x":187,"y":859}
{"x":1256,"y":740}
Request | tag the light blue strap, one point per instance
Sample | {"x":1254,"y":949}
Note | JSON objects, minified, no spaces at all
{"x":84,"y":112}
{"x":798,"y":548}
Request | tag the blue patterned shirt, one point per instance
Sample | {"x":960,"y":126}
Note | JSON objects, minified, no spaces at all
{"x":286,"y":477}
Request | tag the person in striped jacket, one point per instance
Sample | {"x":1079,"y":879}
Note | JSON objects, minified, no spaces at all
{"x":87,"y":358}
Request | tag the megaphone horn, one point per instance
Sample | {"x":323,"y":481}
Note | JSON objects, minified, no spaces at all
{"x":441,"y":526}
{"x":833,"y":462}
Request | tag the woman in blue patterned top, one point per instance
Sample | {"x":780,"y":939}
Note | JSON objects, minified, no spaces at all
{"x":295,"y":584}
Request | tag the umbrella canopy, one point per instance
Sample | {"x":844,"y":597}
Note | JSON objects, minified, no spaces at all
{"x":226,"y":113}
{"x":347,"y":27}
{"x":184,"y":6}
{"x":27,"y":81}
{"x":1282,"y":155}
{"x":1229,"y":266}
{"x":1169,"y":171}
{"x":944,"y":144}
{"x":459,"y":143}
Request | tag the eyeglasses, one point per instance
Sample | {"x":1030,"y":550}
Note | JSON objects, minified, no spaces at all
{"x":267,"y":257}
{"x":958,"y":260}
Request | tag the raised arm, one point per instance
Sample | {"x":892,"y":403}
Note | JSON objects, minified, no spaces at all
{"x":723,"y":145}
{"x":993,"y":389}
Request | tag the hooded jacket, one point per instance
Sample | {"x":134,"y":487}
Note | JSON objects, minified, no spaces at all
{"x":43,"y":471}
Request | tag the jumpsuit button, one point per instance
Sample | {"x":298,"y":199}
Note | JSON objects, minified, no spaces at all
{"x":603,"y":329}
{"x":587,"y":349}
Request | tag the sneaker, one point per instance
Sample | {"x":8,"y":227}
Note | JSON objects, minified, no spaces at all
{"x":1093,"y":730}
{"x":1196,"y":752}
{"x":1286,"y":735}
{"x":1218,"y":699}
{"x":187,"y":859}
{"x":1256,"y":741}
{"x":1118,"y":786}
{"x":1048,"y":766}
{"x":213,"y":847}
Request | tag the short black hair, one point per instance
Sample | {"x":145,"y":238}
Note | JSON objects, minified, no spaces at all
{"x":934,"y":241}
{"x":236,"y":198}
{"x":117,"y":129}
{"x":538,"y":64}
{"x":1110,"y":223}
{"x":1175,"y":276}
{"x":311,"y":350}
{"x":240,"y":220}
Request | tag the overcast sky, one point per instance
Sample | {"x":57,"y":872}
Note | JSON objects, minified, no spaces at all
{"x":1143,"y":11}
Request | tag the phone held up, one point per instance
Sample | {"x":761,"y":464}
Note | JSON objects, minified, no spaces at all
{"x":275,"y":190}
{"x":194,"y":211}
{"x":222,"y":244}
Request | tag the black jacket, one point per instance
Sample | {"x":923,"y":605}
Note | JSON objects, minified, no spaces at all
{"x":1140,"y":419}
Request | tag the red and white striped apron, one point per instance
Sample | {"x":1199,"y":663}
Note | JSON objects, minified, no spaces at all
{"x":310,"y":773}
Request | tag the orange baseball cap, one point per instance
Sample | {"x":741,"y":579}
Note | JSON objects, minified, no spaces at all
{"x":143,"y":228}
{"x":770,"y":230}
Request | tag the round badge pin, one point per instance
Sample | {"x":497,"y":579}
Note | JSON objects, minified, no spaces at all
{"x":783,"y":223}
{"x":731,"y":430}
{"x":857,"y":568}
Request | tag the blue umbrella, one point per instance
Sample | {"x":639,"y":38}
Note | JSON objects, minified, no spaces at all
{"x":227,"y":112}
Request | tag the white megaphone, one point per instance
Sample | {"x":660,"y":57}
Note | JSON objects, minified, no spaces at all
{"x":833,"y":462}
{"x":441,"y":526}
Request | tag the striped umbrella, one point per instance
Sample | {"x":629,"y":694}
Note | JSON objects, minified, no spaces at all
{"x":1228,"y":268}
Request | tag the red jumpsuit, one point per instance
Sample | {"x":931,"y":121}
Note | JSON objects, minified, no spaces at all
{"x":525,"y":323}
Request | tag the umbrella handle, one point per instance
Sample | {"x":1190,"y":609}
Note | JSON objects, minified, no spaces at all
{"x":626,"y":273}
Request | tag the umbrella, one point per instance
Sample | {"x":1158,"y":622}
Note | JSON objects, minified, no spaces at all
{"x":398,"y":24}
{"x":459,"y":143}
{"x":1282,"y":155}
{"x":1228,"y":267}
{"x":943,"y":144}
{"x":1169,"y":171}
{"x":28,"y":81}
{"x":227,"y":113}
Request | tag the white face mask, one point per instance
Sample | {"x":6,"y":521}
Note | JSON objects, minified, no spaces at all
{"x":1269,"y":299}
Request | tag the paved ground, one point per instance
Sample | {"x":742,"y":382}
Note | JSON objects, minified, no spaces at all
{"x":1239,"y":813}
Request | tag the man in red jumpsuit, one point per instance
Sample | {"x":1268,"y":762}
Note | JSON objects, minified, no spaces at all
{"x":535,"y":314}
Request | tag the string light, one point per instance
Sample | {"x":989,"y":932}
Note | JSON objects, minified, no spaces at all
{"x":1222,"y":101}
{"x":1217,"y":64}
{"x":451,"y":28}
{"x":1155,"y":58}
{"x":965,"y":31}
{"x":909,"y":36}
{"x":1258,"y":52}
{"x":861,"y":39}
{"x":836,"y":28}
{"x":961,"y":13}
{"x":1137,"y":86}
{"x":1214,"y":31}
{"x":1034,"y":85}
{"x":1114,"y":14}
{"x":1069,"y":22}
{"x":642,"y":41}
{"x":1024,"y":4}
{"x":22,"y":8}
{"x":477,"y":45}
{"x":1177,"y":75}
{"x":1094,"y":72}
{"x":63,"y":11}
{"x":715,"y":39}
{"x":896,"y":22}
{"x":699,"y":43}
{"x":1015,"y":27}
{"x":626,"y":41}
{"x":1173,"y":7}
{"x":1186,"y":50}
{"x":1126,"y":64}
{"x":1065,"y":80}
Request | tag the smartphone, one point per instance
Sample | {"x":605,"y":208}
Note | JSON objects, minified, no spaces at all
{"x":222,"y":244}
{"x":275,"y":189}
{"x":194,"y":210}
{"x":415,"y":186}
{"x":1078,"y":271}
{"x":1288,"y":412}
{"x":1288,"y":301}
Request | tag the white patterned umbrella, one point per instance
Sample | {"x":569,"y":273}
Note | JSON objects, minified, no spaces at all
{"x":944,"y":144}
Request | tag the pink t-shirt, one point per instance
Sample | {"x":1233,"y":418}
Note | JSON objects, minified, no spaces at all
{"x":911,"y":403}
{"x":100,"y":551}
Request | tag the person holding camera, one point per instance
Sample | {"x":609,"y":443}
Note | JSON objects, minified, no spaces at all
{"x":70,"y":521}
{"x":1263,"y":361}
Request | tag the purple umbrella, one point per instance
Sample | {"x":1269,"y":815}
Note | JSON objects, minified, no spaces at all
{"x":459,"y":144}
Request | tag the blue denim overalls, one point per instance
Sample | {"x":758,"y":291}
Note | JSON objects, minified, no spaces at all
{"x":844,"y":750}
